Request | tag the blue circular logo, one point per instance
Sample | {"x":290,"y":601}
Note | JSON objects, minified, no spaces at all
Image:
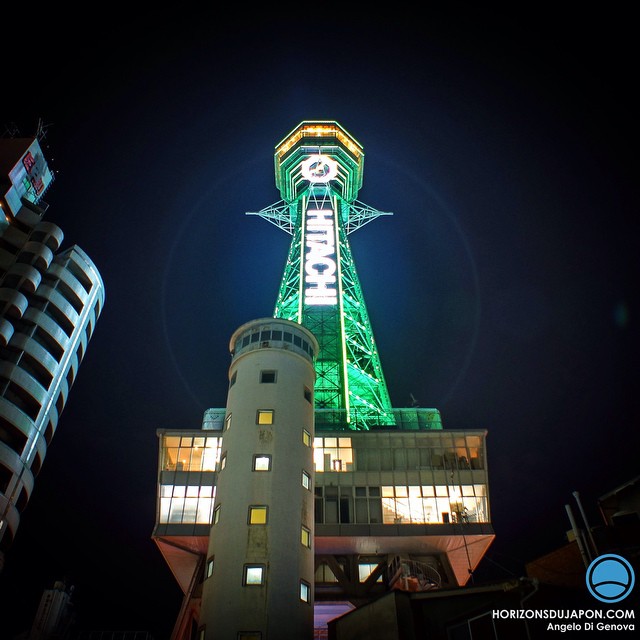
{"x":610,"y":578}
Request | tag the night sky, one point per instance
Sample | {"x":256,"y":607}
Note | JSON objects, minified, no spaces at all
{"x":502,"y":291}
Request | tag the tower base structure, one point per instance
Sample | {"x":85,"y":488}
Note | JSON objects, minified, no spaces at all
{"x":404,"y":509}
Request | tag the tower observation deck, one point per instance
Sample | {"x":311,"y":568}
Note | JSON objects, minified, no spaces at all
{"x":318,"y":169}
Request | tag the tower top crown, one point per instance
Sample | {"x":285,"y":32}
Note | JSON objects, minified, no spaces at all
{"x":319,"y":151}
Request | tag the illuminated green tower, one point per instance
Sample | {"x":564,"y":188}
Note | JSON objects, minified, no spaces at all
{"x":319,"y":169}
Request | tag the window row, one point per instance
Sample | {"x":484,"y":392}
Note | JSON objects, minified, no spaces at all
{"x":277,"y":335}
{"x":259,"y":514}
{"x":324,"y":573}
{"x":256,"y":575}
{"x":270,"y":376}
{"x":186,"y":504}
{"x":339,"y":454}
{"x":189,"y":453}
{"x":401,"y":504}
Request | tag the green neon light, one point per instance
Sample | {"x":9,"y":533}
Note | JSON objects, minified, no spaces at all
{"x":351,"y":391}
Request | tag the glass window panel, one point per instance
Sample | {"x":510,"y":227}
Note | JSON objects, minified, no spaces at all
{"x":305,"y":537}
{"x":267,"y":376}
{"x":186,"y":441}
{"x":428,"y":490}
{"x":179,"y":491}
{"x":172,"y":441}
{"x":365,"y":570}
{"x":430,"y":509}
{"x":258,"y":515}
{"x":172,"y":457}
{"x":375,"y":510}
{"x":205,"y":506}
{"x":262,"y":462}
{"x":387,"y":492}
{"x":344,"y":442}
{"x":264,"y":416}
{"x":306,"y":438}
{"x":441,"y":490}
{"x":175,"y":510}
{"x":209,"y":459}
{"x":330,"y":442}
{"x":206,"y":491}
{"x":253,"y":574}
{"x":164,"y":509}
{"x":388,"y":510}
{"x":305,"y":591}
{"x":306,"y":480}
{"x":401,"y":491}
{"x":362,"y":516}
{"x":190,"y":510}
{"x":192,"y":491}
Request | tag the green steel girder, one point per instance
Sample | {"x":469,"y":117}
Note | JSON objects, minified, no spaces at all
{"x":319,"y":211}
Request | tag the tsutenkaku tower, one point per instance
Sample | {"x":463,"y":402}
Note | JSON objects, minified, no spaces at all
{"x":318,"y":169}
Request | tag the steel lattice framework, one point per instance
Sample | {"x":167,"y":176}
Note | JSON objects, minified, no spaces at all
{"x":319,"y":172}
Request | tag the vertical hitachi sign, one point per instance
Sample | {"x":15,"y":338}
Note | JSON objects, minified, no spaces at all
{"x":320,"y":237}
{"x":320,"y":258}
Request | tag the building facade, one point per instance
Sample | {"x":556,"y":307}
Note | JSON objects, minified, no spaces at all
{"x":50,"y":301}
{"x":399,"y":503}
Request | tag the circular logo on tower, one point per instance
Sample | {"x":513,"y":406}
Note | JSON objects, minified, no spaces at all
{"x":319,"y":168}
{"x":610,"y":578}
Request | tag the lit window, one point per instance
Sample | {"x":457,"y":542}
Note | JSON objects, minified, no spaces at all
{"x":305,"y":591}
{"x":258,"y":515}
{"x":261,"y":462}
{"x":223,"y":462}
{"x":216,"y":514}
{"x":264,"y":416}
{"x":332,"y":454}
{"x":365,"y":569}
{"x":267,"y":376}
{"x":227,"y":422}
{"x":305,"y":537}
{"x":306,"y":438}
{"x":210,"y":567}
{"x":254,"y":574}
{"x":306,"y":480}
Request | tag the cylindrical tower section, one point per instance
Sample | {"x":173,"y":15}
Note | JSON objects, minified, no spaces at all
{"x":260,"y":564}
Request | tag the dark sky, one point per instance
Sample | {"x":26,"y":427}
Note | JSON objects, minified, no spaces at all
{"x":502,"y":291}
